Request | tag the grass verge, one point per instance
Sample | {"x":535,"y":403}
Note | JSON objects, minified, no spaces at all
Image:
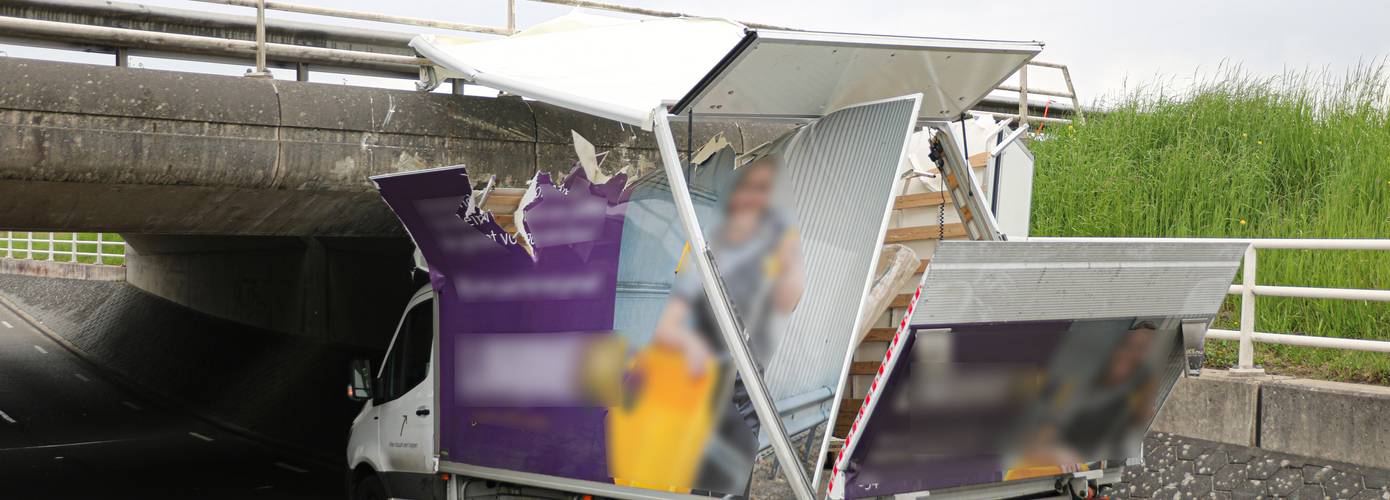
{"x":1303,"y":155}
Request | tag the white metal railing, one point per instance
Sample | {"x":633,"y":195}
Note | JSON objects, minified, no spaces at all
{"x":354,"y":56}
{"x":261,"y":6}
{"x":52,"y":241}
{"x":1249,"y":290}
{"x":1023,"y":90}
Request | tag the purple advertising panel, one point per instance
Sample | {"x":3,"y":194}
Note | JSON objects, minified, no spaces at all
{"x":581,"y":344}
{"x":577,"y":345}
{"x":517,"y":316}
{"x":981,"y":403}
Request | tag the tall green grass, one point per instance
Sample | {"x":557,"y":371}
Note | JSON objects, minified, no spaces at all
{"x":1302,"y":155}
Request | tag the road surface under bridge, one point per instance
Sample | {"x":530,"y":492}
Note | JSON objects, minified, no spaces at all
{"x":87,"y":408}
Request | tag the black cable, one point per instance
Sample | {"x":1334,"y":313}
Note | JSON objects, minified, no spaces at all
{"x":941,"y":208}
{"x":964,"y":146}
{"x":689,"y":144}
{"x":941,"y":218}
{"x":938,"y":158}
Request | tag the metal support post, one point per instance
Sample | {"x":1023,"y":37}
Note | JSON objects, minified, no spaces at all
{"x":1023,"y":96}
{"x":1075,"y":101}
{"x":511,"y":16}
{"x":1245,"y":365}
{"x":260,"y":71}
{"x":729,"y":328}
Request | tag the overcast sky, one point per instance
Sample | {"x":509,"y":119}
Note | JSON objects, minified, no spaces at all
{"x":1107,"y":44}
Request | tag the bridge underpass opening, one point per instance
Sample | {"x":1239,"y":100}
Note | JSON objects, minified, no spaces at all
{"x":213,"y":353}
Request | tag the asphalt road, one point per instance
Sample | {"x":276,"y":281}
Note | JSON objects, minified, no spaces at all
{"x":67,"y":433}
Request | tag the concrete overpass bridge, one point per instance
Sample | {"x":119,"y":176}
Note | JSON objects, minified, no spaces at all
{"x":260,"y":257}
{"x":249,"y":199}
{"x":154,"y":152}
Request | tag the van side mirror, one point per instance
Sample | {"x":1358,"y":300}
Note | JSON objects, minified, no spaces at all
{"x":360,"y":385}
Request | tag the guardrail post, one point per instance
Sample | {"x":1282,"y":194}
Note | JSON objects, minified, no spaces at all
{"x":1245,"y":364}
{"x":511,"y":16}
{"x":260,"y":71}
{"x":1075,"y":101}
{"x":1023,"y":97}
{"x":101,"y":254}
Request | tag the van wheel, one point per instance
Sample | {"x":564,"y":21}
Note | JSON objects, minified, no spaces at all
{"x":369,"y":488}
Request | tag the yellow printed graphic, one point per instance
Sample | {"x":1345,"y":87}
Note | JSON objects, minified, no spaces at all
{"x":656,"y":442}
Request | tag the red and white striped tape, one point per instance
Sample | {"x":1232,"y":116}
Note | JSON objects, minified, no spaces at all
{"x":866,"y":408}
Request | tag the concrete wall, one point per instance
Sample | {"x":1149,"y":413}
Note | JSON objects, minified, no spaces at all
{"x":1214,"y":407}
{"x":157,"y":152}
{"x":343,"y":290}
{"x":67,"y":270}
{"x":1346,"y":422}
{"x":1329,"y":420}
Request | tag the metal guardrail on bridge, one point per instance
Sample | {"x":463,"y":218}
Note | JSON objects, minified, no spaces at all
{"x":120,"y":28}
{"x":1022,"y":91}
{"x":1249,"y":290}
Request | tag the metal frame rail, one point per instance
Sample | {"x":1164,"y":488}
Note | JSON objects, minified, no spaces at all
{"x":1249,"y":290}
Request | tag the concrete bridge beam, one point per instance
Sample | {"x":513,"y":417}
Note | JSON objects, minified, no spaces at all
{"x":155,"y":152}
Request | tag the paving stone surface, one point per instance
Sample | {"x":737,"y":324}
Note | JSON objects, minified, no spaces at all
{"x":1177,"y":467}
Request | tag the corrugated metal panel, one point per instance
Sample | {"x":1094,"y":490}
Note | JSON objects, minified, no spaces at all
{"x":652,"y":243}
{"x":851,"y":157}
{"x":1030,"y":281}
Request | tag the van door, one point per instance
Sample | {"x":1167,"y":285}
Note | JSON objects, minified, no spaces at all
{"x":405,"y":399}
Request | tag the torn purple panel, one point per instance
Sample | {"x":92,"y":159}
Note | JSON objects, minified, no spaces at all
{"x":490,"y":291}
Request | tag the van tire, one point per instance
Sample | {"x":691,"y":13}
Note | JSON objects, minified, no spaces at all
{"x":369,"y":488}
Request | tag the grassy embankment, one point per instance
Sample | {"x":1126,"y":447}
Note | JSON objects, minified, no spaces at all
{"x":1300,"y":156}
{"x":61,"y":250}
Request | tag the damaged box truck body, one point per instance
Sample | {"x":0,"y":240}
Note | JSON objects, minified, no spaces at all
{"x":632,"y":335}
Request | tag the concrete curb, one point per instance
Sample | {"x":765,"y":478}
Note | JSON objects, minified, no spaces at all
{"x":68,"y":270}
{"x":1315,"y":418}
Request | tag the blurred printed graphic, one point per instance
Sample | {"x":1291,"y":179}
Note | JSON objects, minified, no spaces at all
{"x":1003,"y":401}
{"x":576,"y":338}
{"x":754,"y":244}
{"x":579,"y":341}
